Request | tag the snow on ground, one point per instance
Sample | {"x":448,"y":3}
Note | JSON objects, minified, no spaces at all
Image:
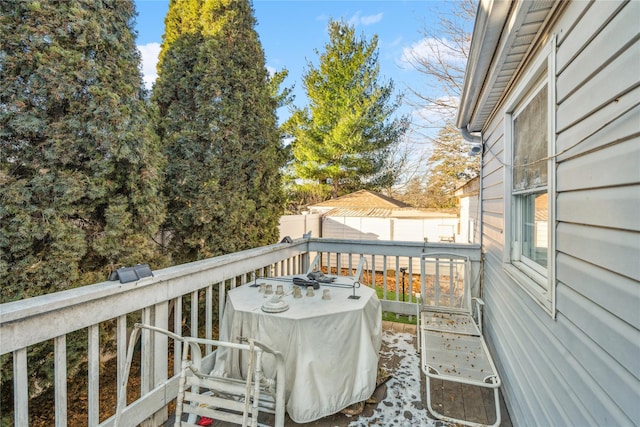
{"x":403,"y":406}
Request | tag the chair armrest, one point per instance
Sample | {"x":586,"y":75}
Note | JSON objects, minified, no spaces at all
{"x":479,"y":305}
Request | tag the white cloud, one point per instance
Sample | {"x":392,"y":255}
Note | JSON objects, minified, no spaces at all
{"x":431,"y":49}
{"x":149,"y":53}
{"x":271,"y":70}
{"x":371,"y":19}
{"x":364,"y":20}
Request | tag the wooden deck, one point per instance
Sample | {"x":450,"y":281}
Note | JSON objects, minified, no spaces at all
{"x":401,"y":400}
{"x":453,"y":399}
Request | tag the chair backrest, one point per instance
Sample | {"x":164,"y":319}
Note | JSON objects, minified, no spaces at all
{"x":249,"y":395}
{"x":218,"y":398}
{"x":445,"y":281}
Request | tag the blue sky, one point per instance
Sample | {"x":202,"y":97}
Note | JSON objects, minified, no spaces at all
{"x":290,"y":31}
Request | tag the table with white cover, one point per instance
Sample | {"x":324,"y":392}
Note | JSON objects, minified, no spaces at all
{"x":330,"y":346}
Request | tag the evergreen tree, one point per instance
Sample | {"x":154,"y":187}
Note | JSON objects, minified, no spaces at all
{"x":217,"y":124}
{"x":78,"y":161}
{"x":344,"y":138}
{"x":450,"y":167}
{"x":79,"y":164}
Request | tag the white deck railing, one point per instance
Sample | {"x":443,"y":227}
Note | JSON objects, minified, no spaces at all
{"x":189,"y":299}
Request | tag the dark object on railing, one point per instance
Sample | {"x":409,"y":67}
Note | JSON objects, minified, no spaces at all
{"x":131,"y":274}
{"x":286,"y":239}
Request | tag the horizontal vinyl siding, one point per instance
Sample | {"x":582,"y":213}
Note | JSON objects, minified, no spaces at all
{"x":583,"y":367}
{"x":617,"y":294}
{"x":592,"y":207}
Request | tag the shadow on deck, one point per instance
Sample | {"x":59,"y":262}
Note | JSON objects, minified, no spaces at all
{"x":400,"y":400}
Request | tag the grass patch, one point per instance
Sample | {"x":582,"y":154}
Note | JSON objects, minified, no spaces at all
{"x":399,"y":318}
{"x":391,"y":296}
{"x":393,"y":317}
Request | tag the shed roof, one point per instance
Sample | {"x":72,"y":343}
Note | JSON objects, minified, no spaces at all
{"x":405,"y":213}
{"x":363,"y":199}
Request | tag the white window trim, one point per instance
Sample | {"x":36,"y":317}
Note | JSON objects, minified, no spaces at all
{"x":541,"y":287}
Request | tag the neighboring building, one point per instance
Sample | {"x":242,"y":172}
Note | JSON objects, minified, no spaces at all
{"x":367,"y":215}
{"x":408,"y":224}
{"x":358,"y":199}
{"x":552,"y":94}
{"x":469,"y":204}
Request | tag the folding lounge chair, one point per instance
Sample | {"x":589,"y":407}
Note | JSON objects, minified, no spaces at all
{"x":216,"y":397}
{"x":450,"y":339}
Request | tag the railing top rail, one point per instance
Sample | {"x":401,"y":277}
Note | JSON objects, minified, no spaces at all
{"x":57,"y":314}
{"x":48,"y":316}
{"x":394,"y":248}
{"x":15,"y":310}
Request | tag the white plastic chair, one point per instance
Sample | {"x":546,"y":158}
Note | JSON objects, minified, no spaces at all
{"x":201,"y":394}
{"x":450,"y":339}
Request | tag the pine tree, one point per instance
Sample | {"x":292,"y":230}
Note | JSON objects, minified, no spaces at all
{"x":344,"y":138}
{"x":217,"y":124}
{"x":450,"y":167}
{"x":79,"y":163}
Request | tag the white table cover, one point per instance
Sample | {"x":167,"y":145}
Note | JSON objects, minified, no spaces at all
{"x":330,"y":347}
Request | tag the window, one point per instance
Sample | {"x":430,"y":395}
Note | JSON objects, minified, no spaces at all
{"x":529,"y":189}
{"x":530,"y":142}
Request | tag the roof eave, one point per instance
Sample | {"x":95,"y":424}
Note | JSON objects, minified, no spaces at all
{"x":490,"y":20}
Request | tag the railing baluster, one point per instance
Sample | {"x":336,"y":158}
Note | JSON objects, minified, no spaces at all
{"x":146,"y":356}
{"x":373,"y":270}
{"x":209,"y":316}
{"x":410,"y":283}
{"x":177,"y":328}
{"x":410,"y":278}
{"x":121,"y":351}
{"x":20,"y":388}
{"x":436,"y":285}
{"x":93,"y":361}
{"x":160,"y":356}
{"x":451,"y":283}
{"x":60,"y":375}
{"x":384,"y":273}
{"x":194,"y":313}
{"x":222,"y":298}
{"x":397,"y":278}
{"x":423,"y":281}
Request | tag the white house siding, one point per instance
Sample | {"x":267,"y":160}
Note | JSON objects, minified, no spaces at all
{"x":583,"y":367}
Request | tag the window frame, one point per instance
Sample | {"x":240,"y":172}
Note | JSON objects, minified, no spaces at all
{"x":537,"y":281}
